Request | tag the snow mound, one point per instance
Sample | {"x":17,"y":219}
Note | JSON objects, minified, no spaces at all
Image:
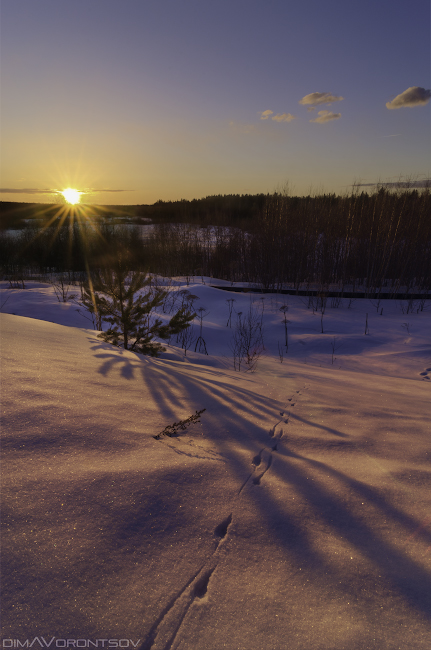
{"x":294,"y":514}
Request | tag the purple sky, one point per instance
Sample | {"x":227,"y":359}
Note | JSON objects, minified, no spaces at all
{"x":136,"y":101}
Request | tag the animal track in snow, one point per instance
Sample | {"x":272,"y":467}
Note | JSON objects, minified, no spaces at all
{"x":164,"y":631}
{"x":201,"y":586}
{"x":425,"y":376}
{"x":221,"y":530}
{"x":178,"y":607}
{"x":258,"y":458}
{"x":256,"y":461}
{"x":257,"y":479}
{"x":156,"y":628}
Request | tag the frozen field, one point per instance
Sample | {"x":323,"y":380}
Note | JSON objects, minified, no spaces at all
{"x":296,"y":515}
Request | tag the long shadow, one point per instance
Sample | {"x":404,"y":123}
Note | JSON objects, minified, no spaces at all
{"x":366,"y":492}
{"x":411,"y":580}
{"x":236,"y":396}
{"x":169,"y":386}
{"x":163,"y":394}
{"x":203,"y":394}
{"x":113,"y":357}
{"x":202,"y":368}
{"x":334,"y":432}
{"x":405,"y":575}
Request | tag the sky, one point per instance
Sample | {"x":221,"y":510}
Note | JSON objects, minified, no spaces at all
{"x":136,"y":101}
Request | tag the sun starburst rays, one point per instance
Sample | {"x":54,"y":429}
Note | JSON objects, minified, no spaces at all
{"x":71,"y":195}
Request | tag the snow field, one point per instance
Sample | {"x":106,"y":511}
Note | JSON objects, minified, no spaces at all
{"x":294,"y":515}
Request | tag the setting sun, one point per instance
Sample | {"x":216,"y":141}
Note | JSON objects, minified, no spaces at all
{"x":72,"y":196}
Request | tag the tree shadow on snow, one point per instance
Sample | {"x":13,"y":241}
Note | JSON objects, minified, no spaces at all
{"x":237,"y":422}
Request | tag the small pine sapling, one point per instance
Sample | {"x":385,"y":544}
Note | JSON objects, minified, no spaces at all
{"x":115,"y":296}
{"x":90,"y":302}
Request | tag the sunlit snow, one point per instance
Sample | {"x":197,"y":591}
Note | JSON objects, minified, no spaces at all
{"x":295,"y":515}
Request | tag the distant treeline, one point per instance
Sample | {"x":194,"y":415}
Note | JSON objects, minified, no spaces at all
{"x":380,"y":241}
{"x":16,"y":216}
{"x":226,"y":210}
{"x":222,"y":210}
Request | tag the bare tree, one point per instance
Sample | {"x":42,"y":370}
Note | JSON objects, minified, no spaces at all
{"x":62,"y":288}
{"x":280,"y":352}
{"x":230,"y":302}
{"x":334,"y":347}
{"x":185,"y":338}
{"x":285,"y":308}
{"x":200,"y":341}
{"x":247,"y":344}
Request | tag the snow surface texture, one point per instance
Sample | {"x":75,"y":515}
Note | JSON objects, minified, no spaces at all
{"x":295,"y":515}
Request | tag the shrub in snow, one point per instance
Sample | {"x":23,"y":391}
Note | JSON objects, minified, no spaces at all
{"x":115,"y":295}
{"x":62,"y":288}
{"x":172,"y":429}
{"x":247,"y":343}
{"x":200,"y":342}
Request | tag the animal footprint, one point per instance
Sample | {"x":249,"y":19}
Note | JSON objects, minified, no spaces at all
{"x":256,"y":460}
{"x":221,"y":529}
{"x":201,"y":585}
{"x":258,"y":478}
{"x":425,"y":375}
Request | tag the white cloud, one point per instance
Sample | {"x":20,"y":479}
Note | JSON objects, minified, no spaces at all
{"x":280,"y":117}
{"x":413,"y":96}
{"x":283,"y":117}
{"x":320,"y":98}
{"x":326,"y":116}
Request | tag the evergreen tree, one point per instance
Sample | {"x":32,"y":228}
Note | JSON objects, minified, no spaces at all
{"x":115,"y":296}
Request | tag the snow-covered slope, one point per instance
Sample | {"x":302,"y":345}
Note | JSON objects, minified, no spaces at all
{"x":295,"y":515}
